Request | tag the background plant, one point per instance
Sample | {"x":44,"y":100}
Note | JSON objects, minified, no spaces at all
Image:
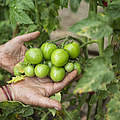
{"x":99,"y":87}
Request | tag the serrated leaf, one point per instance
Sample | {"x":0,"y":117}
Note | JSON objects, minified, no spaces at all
{"x":20,"y":17}
{"x":10,"y":107}
{"x":18,"y":13}
{"x":93,"y":27}
{"x":57,"y":97}
{"x":22,"y":4}
{"x":96,"y":75}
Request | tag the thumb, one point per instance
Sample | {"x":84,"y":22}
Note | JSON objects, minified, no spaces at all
{"x":47,"y":103}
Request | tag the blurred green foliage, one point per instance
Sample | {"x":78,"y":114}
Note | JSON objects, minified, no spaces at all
{"x":101,"y":74}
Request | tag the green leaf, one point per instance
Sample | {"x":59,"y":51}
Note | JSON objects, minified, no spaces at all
{"x":20,"y":17}
{"x":8,"y":108}
{"x":18,"y":13}
{"x":58,"y":98}
{"x":93,"y":27}
{"x":113,"y":10}
{"x":113,"y":112}
{"x":96,"y":76}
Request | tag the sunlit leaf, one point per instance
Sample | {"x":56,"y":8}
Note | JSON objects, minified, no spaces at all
{"x":96,"y":75}
{"x":93,"y":27}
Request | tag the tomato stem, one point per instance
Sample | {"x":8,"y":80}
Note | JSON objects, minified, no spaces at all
{"x":90,"y":42}
{"x":89,"y":108}
{"x":101,"y":46}
{"x":92,"y":7}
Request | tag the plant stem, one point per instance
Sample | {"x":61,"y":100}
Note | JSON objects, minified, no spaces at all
{"x":109,"y":40}
{"x":92,"y":7}
{"x":101,"y":46}
{"x":90,"y":42}
{"x":60,"y":39}
{"x":85,"y":52}
{"x":89,"y":108}
{"x":15,"y":31}
{"x":37,"y":14}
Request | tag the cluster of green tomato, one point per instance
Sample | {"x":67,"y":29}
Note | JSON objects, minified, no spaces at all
{"x":49,"y":60}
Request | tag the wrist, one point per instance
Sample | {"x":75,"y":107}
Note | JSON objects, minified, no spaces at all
{"x":2,"y":96}
{"x":5,"y":93}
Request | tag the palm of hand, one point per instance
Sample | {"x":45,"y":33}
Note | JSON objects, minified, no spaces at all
{"x":40,"y":89}
{"x":32,"y":91}
{"x":13,"y":51}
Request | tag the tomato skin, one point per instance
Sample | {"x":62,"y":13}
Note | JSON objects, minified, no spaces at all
{"x":57,"y":74}
{"x":34,"y":56}
{"x":69,"y":67}
{"x":73,"y":49}
{"x":41,"y":70}
{"x":25,"y":60}
{"x":18,"y":69}
{"x":16,"y":72}
{"x":29,"y":71}
{"x":47,"y":49}
{"x":59,"y":57}
{"x":77,"y":67}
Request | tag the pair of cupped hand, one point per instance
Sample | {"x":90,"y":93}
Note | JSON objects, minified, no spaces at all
{"x":33,"y":91}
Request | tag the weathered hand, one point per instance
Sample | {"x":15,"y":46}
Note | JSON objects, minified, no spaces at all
{"x":13,"y":51}
{"x":36,"y":91}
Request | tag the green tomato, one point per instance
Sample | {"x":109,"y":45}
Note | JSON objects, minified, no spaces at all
{"x":41,"y":70}
{"x":34,"y":56}
{"x":57,"y":74}
{"x":29,"y":71}
{"x":77,"y":67}
{"x":17,"y":72}
{"x":47,"y":49}
{"x":18,"y":69}
{"x":69,"y":67}
{"x":59,"y":57}
{"x":73,"y":49}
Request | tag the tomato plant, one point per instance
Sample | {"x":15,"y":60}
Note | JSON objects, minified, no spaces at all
{"x":98,"y":89}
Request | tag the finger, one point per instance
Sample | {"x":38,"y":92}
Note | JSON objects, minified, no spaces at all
{"x":78,"y":77}
{"x":59,"y":86}
{"x":27,"y":37}
{"x":47,"y":102}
